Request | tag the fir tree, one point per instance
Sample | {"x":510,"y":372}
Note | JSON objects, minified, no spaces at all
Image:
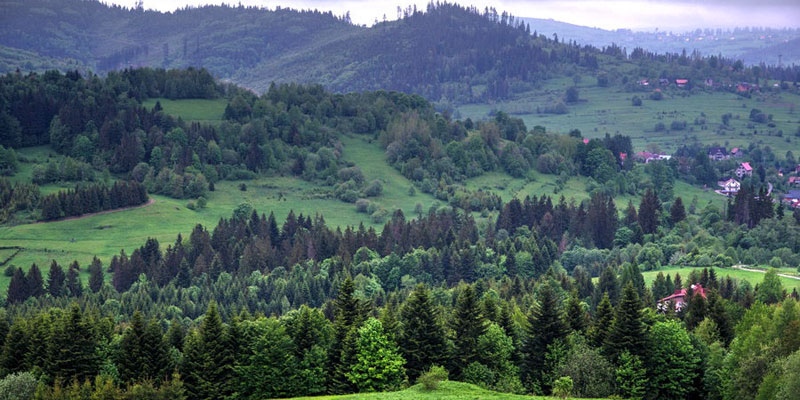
{"x":55,"y":280}
{"x":604,"y":316}
{"x":348,"y":315}
{"x":96,"y":278}
{"x":627,"y":329}
{"x":18,"y":287}
{"x":545,"y":328}
{"x":71,"y":348}
{"x":422,"y":339}
{"x":35,"y":282}
{"x":74,"y":284}
{"x":468,"y":325}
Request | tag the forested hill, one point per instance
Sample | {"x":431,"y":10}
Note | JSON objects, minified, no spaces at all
{"x":446,"y":51}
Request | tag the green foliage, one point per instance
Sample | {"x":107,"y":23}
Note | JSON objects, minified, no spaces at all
{"x":379,"y":366}
{"x":631,"y":376}
{"x":431,"y":378}
{"x":672,"y":361}
{"x":562,"y":387}
{"x":18,"y":386}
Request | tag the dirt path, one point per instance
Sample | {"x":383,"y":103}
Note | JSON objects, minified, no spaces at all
{"x":151,"y":201}
{"x":744,"y":268}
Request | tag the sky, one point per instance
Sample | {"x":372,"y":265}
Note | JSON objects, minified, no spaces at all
{"x":644,"y":15}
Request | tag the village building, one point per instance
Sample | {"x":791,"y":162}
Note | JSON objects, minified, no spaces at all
{"x":717,"y":153}
{"x":729,"y":187}
{"x":679,"y":299}
{"x":744,"y":170}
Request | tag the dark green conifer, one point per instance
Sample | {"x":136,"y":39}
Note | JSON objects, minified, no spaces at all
{"x":468,"y":324}
{"x":627,"y":329}
{"x":422,"y":340}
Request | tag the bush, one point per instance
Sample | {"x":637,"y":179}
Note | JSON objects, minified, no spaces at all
{"x":362,"y":205}
{"x":562,"y":387}
{"x":21,"y":385}
{"x":430,"y":379}
{"x":636,"y":101}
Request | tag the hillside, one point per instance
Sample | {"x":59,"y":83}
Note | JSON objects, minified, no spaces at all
{"x":442,"y":52}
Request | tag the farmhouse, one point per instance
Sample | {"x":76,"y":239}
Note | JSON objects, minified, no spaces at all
{"x":729,"y":187}
{"x":646,"y":157}
{"x":679,"y":299}
{"x":681,"y":82}
{"x":718,"y":153}
{"x":792,"y":198}
{"x":744,"y":169}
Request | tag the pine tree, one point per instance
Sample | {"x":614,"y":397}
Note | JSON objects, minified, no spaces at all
{"x":35,"y":282}
{"x":348,"y":315}
{"x":71,"y":348}
{"x":468,"y":325}
{"x":608,"y":284}
{"x":649,"y":212}
{"x":74,"y":284}
{"x":143,"y":354}
{"x":96,"y":278}
{"x":422,"y":339}
{"x":576,"y":315}
{"x":677,"y":212}
{"x":15,"y":348}
{"x":55,"y":280}
{"x":18,"y":287}
{"x":208,"y":360}
{"x":604,"y":316}
{"x":545,"y":328}
{"x":627,"y":329}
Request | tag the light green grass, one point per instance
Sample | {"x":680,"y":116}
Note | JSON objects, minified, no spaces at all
{"x":609,"y":111}
{"x":753,"y":277}
{"x":446,"y":391}
{"x":106,"y":234}
{"x":199,"y":110}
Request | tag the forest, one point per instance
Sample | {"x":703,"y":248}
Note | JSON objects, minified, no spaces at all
{"x":537,"y":294}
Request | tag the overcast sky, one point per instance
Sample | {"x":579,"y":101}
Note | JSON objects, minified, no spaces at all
{"x":675,"y":15}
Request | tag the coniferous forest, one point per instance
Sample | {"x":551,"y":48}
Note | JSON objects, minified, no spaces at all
{"x":523,"y":295}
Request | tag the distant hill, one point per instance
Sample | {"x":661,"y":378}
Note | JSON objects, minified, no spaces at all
{"x":751,"y":45}
{"x":447,"y":51}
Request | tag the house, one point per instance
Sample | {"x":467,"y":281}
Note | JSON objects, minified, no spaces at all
{"x":717,"y":153}
{"x":646,"y":157}
{"x":681,"y":82}
{"x":744,"y":169}
{"x":663,"y":82}
{"x":792,"y":198}
{"x":794,"y":181}
{"x":737,"y":152}
{"x":644,"y":82}
{"x":729,"y":187}
{"x":679,"y":299}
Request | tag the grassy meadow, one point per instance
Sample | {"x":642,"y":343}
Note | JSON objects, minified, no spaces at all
{"x":753,"y":277}
{"x":447,"y":390}
{"x":609,"y":110}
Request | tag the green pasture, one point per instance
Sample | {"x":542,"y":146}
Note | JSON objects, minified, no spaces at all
{"x":609,"y":111}
{"x":447,"y":390}
{"x":753,"y":277}
{"x":200,"y":110}
{"x":105,"y":235}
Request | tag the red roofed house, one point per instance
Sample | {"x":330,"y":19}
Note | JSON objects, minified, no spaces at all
{"x":678,"y":299}
{"x":681,"y":82}
{"x":744,"y":170}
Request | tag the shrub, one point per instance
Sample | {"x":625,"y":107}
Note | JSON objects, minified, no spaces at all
{"x":562,"y":387}
{"x":430,"y":379}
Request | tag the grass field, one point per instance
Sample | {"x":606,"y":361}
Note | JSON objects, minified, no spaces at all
{"x":609,"y":110}
{"x":200,"y":110}
{"x":753,"y":277}
{"x":447,"y":390}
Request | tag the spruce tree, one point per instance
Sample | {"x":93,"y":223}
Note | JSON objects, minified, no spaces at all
{"x":468,"y":325}
{"x":348,"y":315}
{"x":71,"y":348}
{"x":576,"y":315}
{"x":96,"y":278}
{"x":35,"y":281}
{"x":208,"y":361}
{"x":649,"y":212}
{"x":545,"y":328}
{"x":18,"y":287}
{"x":143,"y":354}
{"x":627,"y":329}
{"x":422,"y":339}
{"x":55,"y":280}
{"x":74,"y":285}
{"x":604,"y":316}
{"x":677,"y":212}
